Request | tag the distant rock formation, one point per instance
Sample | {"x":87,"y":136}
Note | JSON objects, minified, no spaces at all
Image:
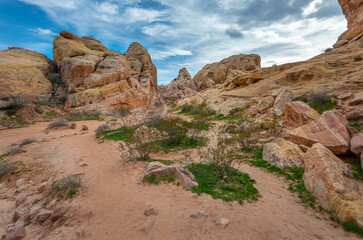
{"x":353,"y":12}
{"x":234,"y":71}
{"x":99,"y":78}
{"x":180,"y":87}
{"x":23,"y":76}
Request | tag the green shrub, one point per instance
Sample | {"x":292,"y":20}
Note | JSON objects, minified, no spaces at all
{"x":103,"y":128}
{"x":321,"y":102}
{"x":175,"y":129}
{"x":120,"y":134}
{"x":357,"y":126}
{"x":51,"y":113}
{"x":247,"y":132}
{"x":67,"y":186}
{"x":201,"y":110}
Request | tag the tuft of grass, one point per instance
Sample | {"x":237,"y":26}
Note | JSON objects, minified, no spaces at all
{"x":165,"y":162}
{"x":356,"y":168}
{"x":11,"y":152}
{"x":167,"y":145}
{"x":156,"y":180}
{"x":27,"y":141}
{"x":353,"y":227}
{"x":120,"y":134}
{"x":71,"y":193}
{"x":238,"y":187}
{"x":5,"y":168}
{"x":103,"y":128}
{"x":201,"y":110}
{"x":51,"y":113}
{"x":58,"y":124}
{"x":357,"y":126}
{"x":68,"y":186}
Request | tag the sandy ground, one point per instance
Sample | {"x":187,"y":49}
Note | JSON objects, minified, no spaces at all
{"x":112,"y":203}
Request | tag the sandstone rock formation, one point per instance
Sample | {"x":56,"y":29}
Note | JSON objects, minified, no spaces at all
{"x":158,"y":169}
{"x":353,"y":11}
{"x":356,"y":144}
{"x":180,"y":87}
{"x":282,"y":153}
{"x":299,"y":113}
{"x":330,"y":130}
{"x":23,"y":76}
{"x":100,"y":78}
{"x":284,"y":96}
{"x":238,"y":70}
{"x":332,"y":182}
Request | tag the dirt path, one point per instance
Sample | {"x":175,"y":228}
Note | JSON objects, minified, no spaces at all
{"x":112,"y":203}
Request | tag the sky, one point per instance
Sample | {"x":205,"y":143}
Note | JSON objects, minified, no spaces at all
{"x":188,"y":33}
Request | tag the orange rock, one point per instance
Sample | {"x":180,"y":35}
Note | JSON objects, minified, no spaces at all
{"x":331,"y":181}
{"x":180,"y":87}
{"x":299,"y":113}
{"x":353,"y":12}
{"x":330,"y":130}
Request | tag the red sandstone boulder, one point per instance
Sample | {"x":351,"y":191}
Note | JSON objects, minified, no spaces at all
{"x":330,"y":130}
{"x":356,"y":144}
{"x":299,"y":113}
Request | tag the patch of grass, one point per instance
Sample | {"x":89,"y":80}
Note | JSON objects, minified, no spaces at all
{"x":352,"y":227}
{"x":238,"y":187}
{"x":200,"y":110}
{"x":84,"y":119}
{"x":156,"y":180}
{"x":357,"y":126}
{"x":51,"y":113}
{"x":322,"y":106}
{"x":11,"y":152}
{"x":356,"y":168}
{"x":121,"y":134}
{"x":66,"y":186}
{"x":165,"y":162}
{"x":71,"y":193}
{"x":167,"y":145}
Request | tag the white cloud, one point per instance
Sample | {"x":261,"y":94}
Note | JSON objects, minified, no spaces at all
{"x":43,"y":32}
{"x":140,"y":15}
{"x":107,"y":8}
{"x":160,"y":55}
{"x":312,"y":7}
{"x":66,"y":4}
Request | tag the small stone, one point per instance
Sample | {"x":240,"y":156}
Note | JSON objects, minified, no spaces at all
{"x":15,"y":234}
{"x":198,"y":213}
{"x":52,"y":203}
{"x":20,"y":183}
{"x":34,"y":211}
{"x":19,"y":212}
{"x":59,"y":222}
{"x":84,"y":128}
{"x":41,"y":188}
{"x":304,"y":148}
{"x":59,"y":212}
{"x":147,"y":225}
{"x":194,"y":195}
{"x":43,"y":215}
{"x":151,"y":211}
{"x":83,"y":165}
{"x":224,"y":222}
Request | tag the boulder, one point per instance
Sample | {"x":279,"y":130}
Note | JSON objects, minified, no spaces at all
{"x":158,"y":169}
{"x":285,"y":96}
{"x":330,"y":130}
{"x":23,"y":77}
{"x":355,"y":114}
{"x":43,"y":215}
{"x":59,"y":212}
{"x":299,"y":113}
{"x":264,"y":104}
{"x":17,"y":233}
{"x":356,"y":143}
{"x":282,"y":153}
{"x":331,"y":181}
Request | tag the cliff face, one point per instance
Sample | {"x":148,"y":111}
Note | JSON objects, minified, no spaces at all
{"x":353,"y":12}
{"x":23,"y":76}
{"x":100,"y":78}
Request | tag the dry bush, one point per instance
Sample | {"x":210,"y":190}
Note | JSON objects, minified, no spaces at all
{"x":68,"y":182}
{"x":247,"y":132}
{"x":58,"y":124}
{"x":5,"y":168}
{"x":27,"y":141}
{"x":103,"y":128}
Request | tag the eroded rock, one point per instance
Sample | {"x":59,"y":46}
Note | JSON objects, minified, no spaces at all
{"x":357,"y":143}
{"x":299,"y":113}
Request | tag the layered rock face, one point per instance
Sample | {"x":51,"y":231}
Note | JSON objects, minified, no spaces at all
{"x":238,"y":70}
{"x":299,"y":113}
{"x":180,"y":87}
{"x":332,"y":182}
{"x":99,"y":78}
{"x":23,"y":76}
{"x":353,"y":11}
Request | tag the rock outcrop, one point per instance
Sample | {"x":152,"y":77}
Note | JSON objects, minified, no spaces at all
{"x":23,"y":76}
{"x":284,"y":96}
{"x":180,"y":87}
{"x":330,"y":130}
{"x":332,"y":182}
{"x":299,"y":113}
{"x":158,"y":169}
{"x":282,"y":153}
{"x":353,"y":11}
{"x":356,"y":143}
{"x":237,"y":70}
{"x":100,"y":78}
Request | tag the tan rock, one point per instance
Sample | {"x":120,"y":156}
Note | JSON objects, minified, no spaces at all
{"x":356,"y":143}
{"x":264,"y":104}
{"x":281,"y":100}
{"x":16,"y":234}
{"x":158,"y":169}
{"x":43,"y":215}
{"x":331,"y":181}
{"x":180,"y":87}
{"x":299,"y":113}
{"x":353,"y":11}
{"x":282,"y":153}
{"x":59,"y":212}
{"x":330,"y":130}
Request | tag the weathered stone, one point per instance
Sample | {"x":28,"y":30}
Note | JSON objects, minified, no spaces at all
{"x":199,"y":213}
{"x":356,"y":143}
{"x":59,"y":212}
{"x":282,"y":153}
{"x":340,"y":43}
{"x":151,"y":211}
{"x":43,"y":215}
{"x":344,"y":95}
{"x":299,"y":113}
{"x":42,"y":187}
{"x":330,"y":130}
{"x":20,"y":182}
{"x":34,"y":211}
{"x":224,"y":222}
{"x":332,"y":182}
{"x":355,"y":114}
{"x":353,"y":12}
{"x":147,"y":225}
{"x":20,"y":211}
{"x":158,"y":169}
{"x":16,"y":234}
{"x":264,"y":104}
{"x":284,"y":97}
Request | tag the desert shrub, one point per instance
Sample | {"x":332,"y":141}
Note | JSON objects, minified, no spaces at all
{"x":68,"y":185}
{"x":201,"y":110}
{"x":247,"y":132}
{"x":123,"y":134}
{"x":321,"y":102}
{"x":152,"y":118}
{"x":13,"y":109}
{"x":82,"y":116}
{"x":139,"y":145}
{"x":236,"y":111}
{"x":103,"y":128}
{"x":274,"y":127}
{"x":51,"y":113}
{"x":55,"y":78}
{"x":12,"y":151}
{"x":123,"y":113}
{"x":357,"y":58}
{"x":174,"y":129}
{"x":58,"y":124}
{"x":27,"y":141}
{"x":5,"y":168}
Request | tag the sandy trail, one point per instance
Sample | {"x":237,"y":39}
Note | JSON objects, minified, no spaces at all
{"x":112,"y":203}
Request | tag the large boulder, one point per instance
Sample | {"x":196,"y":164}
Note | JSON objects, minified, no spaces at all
{"x":331,"y":181}
{"x":299,"y":113}
{"x":284,"y":96}
{"x":99,"y":78}
{"x":158,"y":169}
{"x":180,"y":87}
{"x":353,"y":12}
{"x":330,"y":130}
{"x":283,"y":153}
{"x":237,"y":70}
{"x":23,"y":76}
{"x":356,"y":144}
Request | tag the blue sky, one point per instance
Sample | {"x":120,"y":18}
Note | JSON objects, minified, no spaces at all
{"x":189,"y":33}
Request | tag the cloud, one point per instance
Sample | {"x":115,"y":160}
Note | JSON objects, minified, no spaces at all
{"x":232,"y":33}
{"x":312,"y":7}
{"x":43,"y":32}
{"x":66,"y":4}
{"x":160,"y":55}
{"x":107,"y":8}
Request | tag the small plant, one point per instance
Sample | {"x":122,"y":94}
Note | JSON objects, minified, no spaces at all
{"x":357,"y":58}
{"x":123,"y":134}
{"x":175,"y":130}
{"x":27,"y":141}
{"x":321,"y":102}
{"x":12,"y":151}
{"x":51,"y":113}
{"x":201,"y":110}
{"x":5,"y":168}
{"x":274,"y":127}
{"x":123,"y":113}
{"x":103,"y":128}
{"x":66,"y":186}
{"x":82,"y":116}
{"x":247,"y":132}
{"x":357,"y":126}
{"x":58,"y":124}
